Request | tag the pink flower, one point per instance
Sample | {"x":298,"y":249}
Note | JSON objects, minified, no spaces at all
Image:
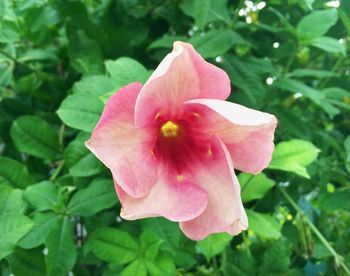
{"x":173,"y":143}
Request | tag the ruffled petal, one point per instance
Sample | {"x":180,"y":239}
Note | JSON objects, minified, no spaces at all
{"x":173,"y":198}
{"x":123,"y":148}
{"x":248,"y":134}
{"x":182,"y":75}
{"x":224,"y":212}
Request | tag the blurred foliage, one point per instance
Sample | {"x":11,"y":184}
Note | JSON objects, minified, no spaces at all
{"x":60,"y":60}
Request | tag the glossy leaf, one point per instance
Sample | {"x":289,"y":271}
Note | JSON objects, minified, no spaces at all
{"x":81,"y":111}
{"x":254,"y":186}
{"x":11,"y":200}
{"x":14,"y":174}
{"x":80,"y":161}
{"x":36,"y":137}
{"x":12,"y":228}
{"x":62,"y":252}
{"x":294,"y":156}
{"x":213,"y":244}
{"x":317,"y":23}
{"x":114,"y":246}
{"x":126,"y":70}
{"x":27,"y":262}
{"x":215,"y":43}
{"x":42,"y":196}
{"x":99,"y":195}
{"x":263,"y":225}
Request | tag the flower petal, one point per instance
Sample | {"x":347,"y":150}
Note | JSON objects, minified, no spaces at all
{"x":247,"y":133}
{"x":224,"y":212}
{"x":176,"y":200}
{"x":182,"y":75}
{"x":123,"y":148}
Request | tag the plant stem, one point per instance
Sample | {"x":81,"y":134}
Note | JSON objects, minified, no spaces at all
{"x":216,"y":266}
{"x":334,"y":68}
{"x":15,"y":61}
{"x":57,"y":171}
{"x":338,"y":258}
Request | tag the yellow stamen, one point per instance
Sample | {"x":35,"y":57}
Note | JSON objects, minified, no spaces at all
{"x":170,"y":129}
{"x":180,"y":178}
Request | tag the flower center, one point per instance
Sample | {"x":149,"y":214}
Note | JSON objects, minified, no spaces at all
{"x":170,"y":130}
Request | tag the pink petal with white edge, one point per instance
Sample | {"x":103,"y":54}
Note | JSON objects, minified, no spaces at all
{"x":174,"y":199}
{"x":123,"y":148}
{"x":182,"y":75}
{"x":224,"y":212}
{"x":247,"y":133}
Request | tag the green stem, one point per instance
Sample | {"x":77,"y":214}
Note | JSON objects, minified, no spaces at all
{"x":334,"y":68}
{"x":236,"y":16}
{"x":290,"y":61}
{"x":216,"y":266}
{"x":61,"y":133}
{"x":338,"y":258}
{"x":57,"y":171}
{"x":15,"y":60}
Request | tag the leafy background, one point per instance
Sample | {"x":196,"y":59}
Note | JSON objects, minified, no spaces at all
{"x":60,"y":60}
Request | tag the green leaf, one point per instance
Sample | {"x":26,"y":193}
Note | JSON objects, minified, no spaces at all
{"x":239,"y":262}
{"x":150,"y":244}
{"x":80,"y":161}
{"x":11,"y":200}
{"x":263,"y":225}
{"x":39,"y":54}
{"x":338,"y":200}
{"x":294,"y":156}
{"x":216,"y":42}
{"x":167,"y":230}
{"x":12,"y":228}
{"x":34,"y":136}
{"x":10,"y":32}
{"x":317,"y":23}
{"x":276,"y":258}
{"x":84,"y":53}
{"x":163,"y":265}
{"x":166,"y":41}
{"x":254,"y":186}
{"x":27,"y":262}
{"x":328,"y":44}
{"x":43,"y":223}
{"x":126,"y":70}
{"x":292,"y":122}
{"x":81,"y":111}
{"x":314,"y":73}
{"x":218,"y":10}
{"x":344,"y":17}
{"x":14,"y":174}
{"x":43,"y":196}
{"x":319,"y":251}
{"x":62,"y":252}
{"x":136,"y":268}
{"x":243,"y":77}
{"x":214,"y":244}
{"x":314,"y":95}
{"x":347,"y":153}
{"x":99,"y":195}
{"x":295,"y":86}
{"x":96,"y":85}
{"x":201,"y":11}
{"x":309,"y":3}
{"x":113,"y":246}
{"x":336,"y":93}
